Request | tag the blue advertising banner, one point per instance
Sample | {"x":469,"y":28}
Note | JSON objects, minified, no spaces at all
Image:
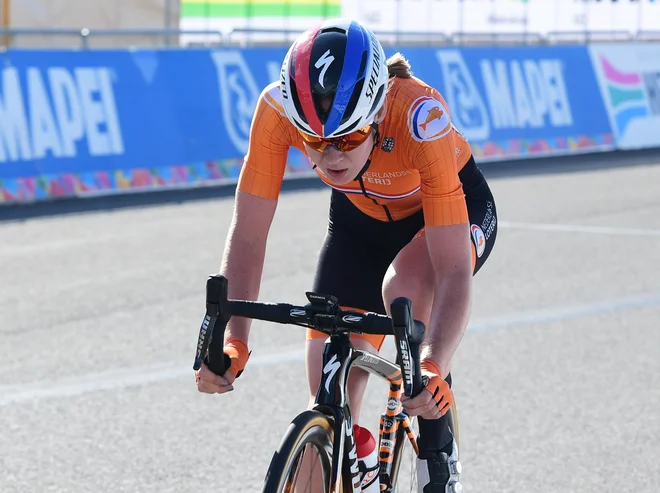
{"x":90,"y":122}
{"x":519,"y":101}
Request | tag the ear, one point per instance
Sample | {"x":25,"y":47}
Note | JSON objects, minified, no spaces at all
{"x":380,"y":116}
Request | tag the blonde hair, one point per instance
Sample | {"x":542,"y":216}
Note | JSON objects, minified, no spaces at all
{"x":398,"y":66}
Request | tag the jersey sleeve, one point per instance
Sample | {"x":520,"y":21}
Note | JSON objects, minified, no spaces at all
{"x":265,"y":162}
{"x":434,"y":155}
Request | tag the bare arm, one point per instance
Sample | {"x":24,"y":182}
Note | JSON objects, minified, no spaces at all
{"x":245,"y":250}
{"x":451,"y":255}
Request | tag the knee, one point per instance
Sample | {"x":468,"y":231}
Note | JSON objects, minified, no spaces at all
{"x":418,"y":288}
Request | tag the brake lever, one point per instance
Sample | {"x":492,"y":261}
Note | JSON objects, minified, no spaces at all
{"x":409,"y":335}
{"x":216,"y":310}
{"x":401,"y":313}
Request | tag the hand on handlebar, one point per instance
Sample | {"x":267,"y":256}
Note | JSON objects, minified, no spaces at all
{"x":210,"y":383}
{"x":436,"y":398}
{"x":236,"y":355}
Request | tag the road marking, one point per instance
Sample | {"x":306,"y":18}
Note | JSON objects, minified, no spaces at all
{"x":62,"y":244}
{"x":124,"y":378}
{"x":576,"y":228}
{"x":133,"y":377}
{"x":555,"y":314}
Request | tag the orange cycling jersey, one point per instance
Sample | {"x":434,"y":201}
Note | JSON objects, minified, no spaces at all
{"x":415,"y":166}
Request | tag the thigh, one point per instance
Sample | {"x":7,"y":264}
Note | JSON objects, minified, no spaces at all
{"x":356,"y":254}
{"x":411,"y":273}
{"x":348,"y":270}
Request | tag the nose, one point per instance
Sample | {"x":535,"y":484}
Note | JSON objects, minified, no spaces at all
{"x":332,"y":155}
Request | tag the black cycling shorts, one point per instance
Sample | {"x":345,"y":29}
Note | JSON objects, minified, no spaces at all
{"x":359,"y":249}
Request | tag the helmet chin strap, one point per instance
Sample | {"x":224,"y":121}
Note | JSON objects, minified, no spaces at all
{"x":368,"y":163}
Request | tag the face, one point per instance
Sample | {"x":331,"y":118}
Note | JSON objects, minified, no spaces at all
{"x":341,"y":167}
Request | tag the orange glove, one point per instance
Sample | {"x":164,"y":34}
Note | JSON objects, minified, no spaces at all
{"x":437,"y":386}
{"x":237,"y":352}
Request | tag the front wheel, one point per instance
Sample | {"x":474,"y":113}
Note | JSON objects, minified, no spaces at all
{"x":302,"y":462}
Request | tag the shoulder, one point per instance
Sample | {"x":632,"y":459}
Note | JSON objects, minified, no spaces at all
{"x":270,"y":118}
{"x":272,"y":97}
{"x":419,"y":108}
{"x":270,"y":125}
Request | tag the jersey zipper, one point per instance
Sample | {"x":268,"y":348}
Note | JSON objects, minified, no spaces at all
{"x":364,"y":191}
{"x":366,"y":167}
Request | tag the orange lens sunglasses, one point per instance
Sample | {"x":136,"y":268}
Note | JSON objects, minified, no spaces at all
{"x":345,"y":143}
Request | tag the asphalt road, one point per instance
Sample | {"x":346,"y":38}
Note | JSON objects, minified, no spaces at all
{"x":557,"y":379}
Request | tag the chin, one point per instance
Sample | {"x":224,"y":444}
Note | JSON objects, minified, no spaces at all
{"x":341,"y":181}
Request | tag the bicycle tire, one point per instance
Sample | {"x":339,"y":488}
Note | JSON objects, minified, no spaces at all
{"x":308,"y":428}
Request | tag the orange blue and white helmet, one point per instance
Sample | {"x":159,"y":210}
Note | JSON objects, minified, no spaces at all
{"x":334,"y":79}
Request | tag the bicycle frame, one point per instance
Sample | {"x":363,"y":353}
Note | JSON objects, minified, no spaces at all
{"x":339,"y":357}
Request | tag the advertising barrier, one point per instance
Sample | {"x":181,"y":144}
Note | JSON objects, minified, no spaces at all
{"x":78,"y":123}
{"x":519,"y":102}
{"x":629,"y":78}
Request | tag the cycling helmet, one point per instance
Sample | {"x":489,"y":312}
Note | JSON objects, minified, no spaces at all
{"x":333,"y":79}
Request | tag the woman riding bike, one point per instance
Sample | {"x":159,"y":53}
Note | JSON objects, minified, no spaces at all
{"x":410,"y":214}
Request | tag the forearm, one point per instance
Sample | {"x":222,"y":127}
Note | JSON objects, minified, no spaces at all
{"x":242,"y":265}
{"x":449,"y":318}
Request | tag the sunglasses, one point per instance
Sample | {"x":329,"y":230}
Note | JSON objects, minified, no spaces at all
{"x":345,"y":143}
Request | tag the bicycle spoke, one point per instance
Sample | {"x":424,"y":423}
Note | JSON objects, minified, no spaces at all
{"x":297,"y":484}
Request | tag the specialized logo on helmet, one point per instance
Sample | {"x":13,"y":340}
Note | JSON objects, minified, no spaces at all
{"x":428,"y":119}
{"x":325,"y":61}
{"x":479,"y":239}
{"x":375,"y":70}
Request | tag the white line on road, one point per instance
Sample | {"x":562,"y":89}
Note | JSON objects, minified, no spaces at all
{"x":132,"y":377}
{"x":558,"y":313}
{"x":124,"y":378}
{"x":577,"y":228}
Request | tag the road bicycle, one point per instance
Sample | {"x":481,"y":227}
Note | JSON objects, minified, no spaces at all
{"x":326,"y":429}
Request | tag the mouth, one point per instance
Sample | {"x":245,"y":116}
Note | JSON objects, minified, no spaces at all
{"x":337,"y":173}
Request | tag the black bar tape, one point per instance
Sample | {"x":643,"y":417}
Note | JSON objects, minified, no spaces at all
{"x":271,"y":312}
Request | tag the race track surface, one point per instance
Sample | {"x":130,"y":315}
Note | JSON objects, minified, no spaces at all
{"x":557,"y":379}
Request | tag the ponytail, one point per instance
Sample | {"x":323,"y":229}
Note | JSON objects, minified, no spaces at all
{"x":398,"y":66}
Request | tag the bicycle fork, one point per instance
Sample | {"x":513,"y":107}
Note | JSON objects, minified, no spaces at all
{"x":394,"y":423}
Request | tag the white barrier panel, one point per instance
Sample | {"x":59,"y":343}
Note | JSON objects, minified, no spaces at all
{"x":629,"y":79}
{"x":504,"y":16}
{"x":423,"y":16}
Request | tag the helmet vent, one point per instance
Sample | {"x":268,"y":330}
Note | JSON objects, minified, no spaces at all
{"x":377,"y":99}
{"x":296,"y":101}
{"x":352,"y":103}
{"x":351,"y":127}
{"x":363,"y":64}
{"x":333,"y":30}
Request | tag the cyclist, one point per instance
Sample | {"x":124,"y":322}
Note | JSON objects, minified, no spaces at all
{"x":410,"y":213}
